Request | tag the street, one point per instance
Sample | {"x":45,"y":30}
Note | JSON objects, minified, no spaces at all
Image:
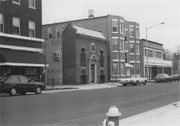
{"x":84,"y":107}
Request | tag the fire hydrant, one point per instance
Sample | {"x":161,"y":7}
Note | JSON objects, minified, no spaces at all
{"x":113,"y":115}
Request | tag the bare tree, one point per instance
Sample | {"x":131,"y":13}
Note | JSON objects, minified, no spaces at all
{"x":168,"y":54}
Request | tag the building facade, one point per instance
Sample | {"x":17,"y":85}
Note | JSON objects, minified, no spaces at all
{"x":123,"y":47}
{"x":153,"y":64}
{"x":176,"y":63}
{"x":84,"y":56}
{"x":20,"y":38}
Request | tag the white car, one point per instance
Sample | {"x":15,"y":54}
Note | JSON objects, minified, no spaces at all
{"x":135,"y":80}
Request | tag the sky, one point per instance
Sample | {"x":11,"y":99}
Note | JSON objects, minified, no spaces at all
{"x":145,"y":12}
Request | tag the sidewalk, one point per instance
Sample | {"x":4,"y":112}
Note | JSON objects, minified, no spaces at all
{"x":61,"y":88}
{"x":165,"y":116}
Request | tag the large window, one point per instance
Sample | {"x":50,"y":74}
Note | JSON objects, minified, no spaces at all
{"x":158,"y":54}
{"x":121,"y":27}
{"x":131,"y":31}
{"x":1,"y":23}
{"x":32,"y":3}
{"x":137,"y":33}
{"x":150,"y":53}
{"x":101,"y":58}
{"x":58,"y":31}
{"x":132,"y":69}
{"x":122,"y":68}
{"x":114,"y":26}
{"x":122,"y":45}
{"x":132,"y":48}
{"x":16,"y":26}
{"x":115,"y":44}
{"x":83,"y":57}
{"x":49,"y":33}
{"x":32,"y":29}
{"x":93,"y":47}
{"x":137,"y":48}
{"x":137,"y":68}
{"x":115,"y":68}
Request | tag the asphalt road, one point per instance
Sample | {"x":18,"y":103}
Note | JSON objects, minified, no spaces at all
{"x":84,"y":107}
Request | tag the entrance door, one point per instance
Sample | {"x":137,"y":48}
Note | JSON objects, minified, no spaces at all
{"x":92,"y":73}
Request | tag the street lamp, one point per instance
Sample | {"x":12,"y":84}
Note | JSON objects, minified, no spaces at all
{"x":147,"y":71}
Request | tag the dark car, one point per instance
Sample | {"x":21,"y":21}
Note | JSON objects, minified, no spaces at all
{"x":163,"y":78}
{"x":19,"y":84}
{"x":176,"y":77}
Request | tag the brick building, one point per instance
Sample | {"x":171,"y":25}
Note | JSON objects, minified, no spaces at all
{"x":20,"y":38}
{"x":123,"y":50}
{"x":152,"y":59}
{"x":84,"y":56}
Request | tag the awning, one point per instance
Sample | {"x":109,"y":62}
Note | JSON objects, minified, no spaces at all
{"x":20,"y":58}
{"x":128,"y":65}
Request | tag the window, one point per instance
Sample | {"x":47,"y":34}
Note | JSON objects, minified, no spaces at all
{"x":101,"y":58}
{"x":12,"y":79}
{"x":137,"y":33}
{"x":93,"y":47}
{"x":83,"y":57}
{"x":150,"y":53}
{"x":126,"y":57}
{"x":121,"y":27}
{"x":56,"y":56}
{"x":122,"y":68}
{"x":145,"y":52}
{"x":132,"y":69}
{"x":114,"y":26}
{"x":122,"y":45}
{"x":158,"y":54}
{"x":32,"y":4}
{"x":31,"y":29}
{"x":115,"y":44}
{"x":131,"y":31}
{"x":16,"y":2}
{"x":58,"y":31}
{"x":16,"y":26}
{"x":49,"y":33}
{"x":132,"y":49}
{"x":23,"y":79}
{"x":137,"y":68}
{"x":1,"y":23}
{"x":115,"y":68}
{"x":137,"y":48}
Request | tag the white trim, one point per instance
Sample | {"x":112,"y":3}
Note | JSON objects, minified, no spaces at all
{"x":131,"y":53}
{"x":21,"y":37}
{"x":21,"y":48}
{"x":126,"y":50}
{"x":115,"y":60}
{"x":114,"y":19}
{"x":122,"y":60}
{"x":132,"y":41}
{"x":115,"y":51}
{"x":131,"y":37}
{"x":14,"y":2}
{"x":131,"y":25}
{"x":122,"y":38}
{"x":132,"y":61}
{"x":23,"y":64}
{"x":137,"y":26}
{"x":137,"y":61}
{"x":121,"y":21}
{"x":137,"y":42}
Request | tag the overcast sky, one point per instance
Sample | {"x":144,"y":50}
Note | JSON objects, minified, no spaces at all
{"x":144,"y":12}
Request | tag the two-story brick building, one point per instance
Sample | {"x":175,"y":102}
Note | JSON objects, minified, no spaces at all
{"x":152,"y":59}
{"x":123,"y":50}
{"x":20,"y":38}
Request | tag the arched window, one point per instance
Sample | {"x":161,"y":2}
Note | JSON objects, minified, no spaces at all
{"x":58,"y":31}
{"x":1,"y":23}
{"x":101,"y":58}
{"x":49,"y":33}
{"x":83,"y":57}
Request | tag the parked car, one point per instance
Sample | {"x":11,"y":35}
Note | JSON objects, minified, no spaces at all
{"x":176,"y":77}
{"x":163,"y":78}
{"x":135,"y":80}
{"x":19,"y":84}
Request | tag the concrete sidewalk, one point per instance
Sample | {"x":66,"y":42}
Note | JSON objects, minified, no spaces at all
{"x":62,"y":88}
{"x":165,"y":116}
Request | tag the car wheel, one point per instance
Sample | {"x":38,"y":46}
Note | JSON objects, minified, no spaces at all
{"x":23,"y":93}
{"x":13,"y":91}
{"x":145,"y":82}
{"x":125,"y":85}
{"x":38,"y":90}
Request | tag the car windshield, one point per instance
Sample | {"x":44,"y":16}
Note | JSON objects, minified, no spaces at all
{"x":162,"y":75}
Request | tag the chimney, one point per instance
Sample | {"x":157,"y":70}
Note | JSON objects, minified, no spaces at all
{"x":91,"y":13}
